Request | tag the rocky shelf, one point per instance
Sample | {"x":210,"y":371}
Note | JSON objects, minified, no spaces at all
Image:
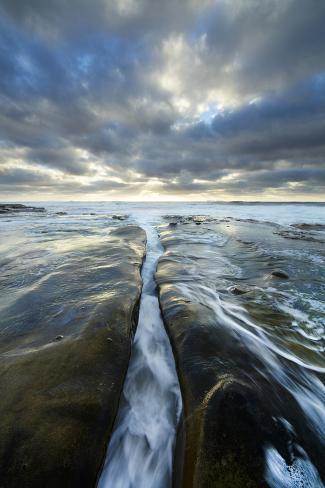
{"x":8,"y":208}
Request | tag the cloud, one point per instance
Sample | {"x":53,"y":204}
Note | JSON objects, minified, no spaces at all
{"x":192,"y":98}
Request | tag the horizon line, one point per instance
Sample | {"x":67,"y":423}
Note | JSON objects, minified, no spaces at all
{"x":309,"y":202}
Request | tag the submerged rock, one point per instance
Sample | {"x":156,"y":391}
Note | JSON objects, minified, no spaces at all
{"x":60,"y":397}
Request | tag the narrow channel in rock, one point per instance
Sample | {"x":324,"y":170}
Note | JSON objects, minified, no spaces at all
{"x":140,"y":452}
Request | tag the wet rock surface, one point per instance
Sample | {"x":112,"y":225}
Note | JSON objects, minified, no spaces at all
{"x":312,"y":227}
{"x":250,"y":374}
{"x":304,"y":232}
{"x":119,"y":217}
{"x":68,"y":313}
{"x":9,"y":208}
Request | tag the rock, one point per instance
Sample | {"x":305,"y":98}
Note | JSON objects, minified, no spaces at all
{"x":231,"y":402}
{"x":172,"y":224}
{"x":58,"y":404}
{"x":200,"y":218}
{"x":312,"y":227}
{"x":235,"y":290}
{"x":61,"y":213}
{"x":299,"y":235}
{"x":18,"y":207}
{"x":222,"y":436}
{"x":119,"y":217}
{"x":279,"y":273}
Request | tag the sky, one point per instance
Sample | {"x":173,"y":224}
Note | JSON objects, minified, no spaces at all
{"x":162,"y":100}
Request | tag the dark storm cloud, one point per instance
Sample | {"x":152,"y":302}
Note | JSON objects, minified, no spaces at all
{"x":281,"y":178}
{"x":18,"y":176}
{"x":290,"y":125}
{"x":197,"y":96}
{"x":270,"y":43}
{"x":56,"y":157}
{"x":126,"y":18}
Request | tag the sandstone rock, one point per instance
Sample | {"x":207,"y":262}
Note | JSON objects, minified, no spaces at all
{"x":232,"y":404}
{"x":60,"y":398}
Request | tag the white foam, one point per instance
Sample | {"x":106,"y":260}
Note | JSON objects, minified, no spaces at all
{"x":140,"y":453}
{"x":300,"y":474}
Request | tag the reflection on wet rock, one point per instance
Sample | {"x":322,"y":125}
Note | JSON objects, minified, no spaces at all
{"x":68,"y":312}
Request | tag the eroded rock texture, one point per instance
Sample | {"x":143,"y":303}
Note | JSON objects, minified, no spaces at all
{"x":248,"y":379}
{"x":64,"y":352}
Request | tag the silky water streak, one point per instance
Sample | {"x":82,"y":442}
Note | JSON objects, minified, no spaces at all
{"x":140,"y":452}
